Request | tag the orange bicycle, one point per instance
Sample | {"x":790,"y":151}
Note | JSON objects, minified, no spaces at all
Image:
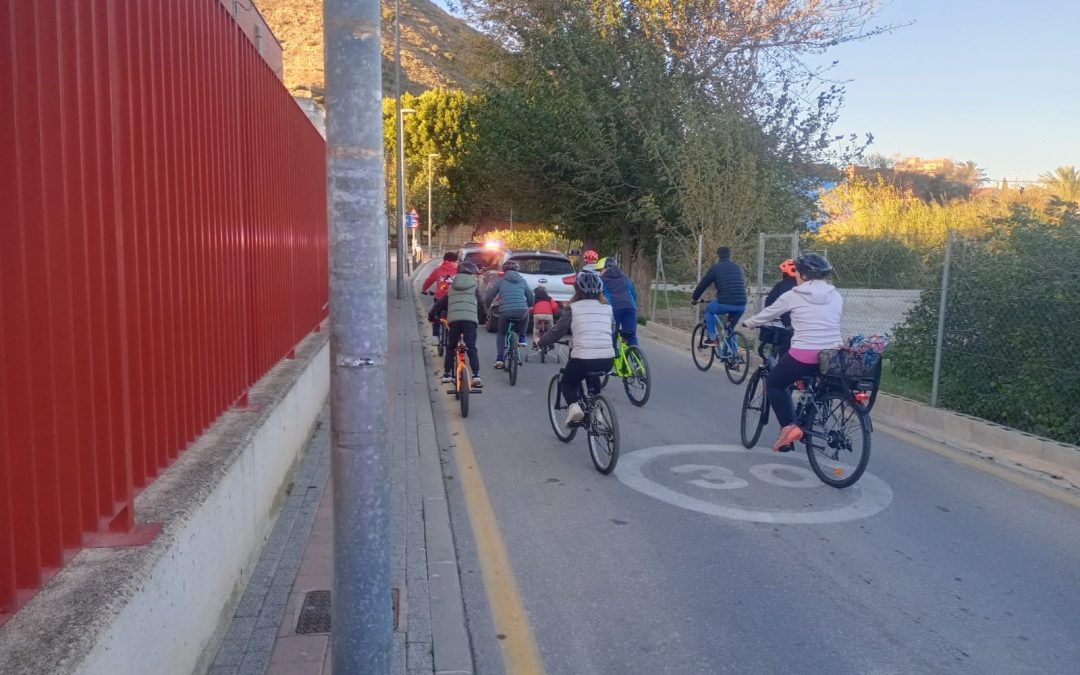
{"x":462,"y":375}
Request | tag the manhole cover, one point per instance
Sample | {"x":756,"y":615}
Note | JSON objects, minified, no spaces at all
{"x":315,"y":614}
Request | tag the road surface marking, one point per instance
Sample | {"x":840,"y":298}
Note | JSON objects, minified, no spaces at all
{"x":519,"y":651}
{"x":872,"y":495}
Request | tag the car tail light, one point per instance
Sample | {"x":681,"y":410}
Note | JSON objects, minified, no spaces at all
{"x":569,"y":279}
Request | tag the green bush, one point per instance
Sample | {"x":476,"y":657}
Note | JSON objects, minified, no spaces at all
{"x":1012,"y":319}
{"x":876,"y":262}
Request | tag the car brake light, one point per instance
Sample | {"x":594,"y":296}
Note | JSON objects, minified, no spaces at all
{"x":569,"y":279}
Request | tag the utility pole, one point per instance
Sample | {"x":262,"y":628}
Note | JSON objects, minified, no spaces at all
{"x":400,"y":153}
{"x":362,"y":635}
{"x":429,"y":158}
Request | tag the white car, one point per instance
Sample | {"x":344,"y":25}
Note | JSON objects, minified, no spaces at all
{"x":550,"y":269}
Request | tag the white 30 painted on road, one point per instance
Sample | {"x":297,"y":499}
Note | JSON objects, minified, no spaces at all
{"x":871,"y":494}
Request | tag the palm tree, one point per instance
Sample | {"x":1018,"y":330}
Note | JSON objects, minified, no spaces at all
{"x":969,"y":172}
{"x":1063,"y":182}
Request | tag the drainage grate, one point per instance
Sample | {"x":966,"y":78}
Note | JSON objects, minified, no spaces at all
{"x":315,"y":614}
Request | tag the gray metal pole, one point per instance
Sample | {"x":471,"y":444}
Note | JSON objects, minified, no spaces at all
{"x":656,"y":279}
{"x":700,"y":248}
{"x":939,"y":347}
{"x":400,"y":153}
{"x":362,"y":636}
{"x":761,"y":271}
{"x":429,"y":205}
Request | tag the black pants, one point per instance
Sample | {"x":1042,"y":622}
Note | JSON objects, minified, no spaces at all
{"x":520,"y":321}
{"x":466,"y":329}
{"x":574,"y":374}
{"x":782,"y":377}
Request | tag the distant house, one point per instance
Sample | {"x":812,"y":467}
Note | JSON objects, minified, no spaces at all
{"x":928,"y":167}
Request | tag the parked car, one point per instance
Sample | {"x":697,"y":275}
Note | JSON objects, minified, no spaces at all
{"x":539,"y":268}
{"x":485,"y":256}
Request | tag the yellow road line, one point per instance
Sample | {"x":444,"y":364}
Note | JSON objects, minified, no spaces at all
{"x":519,"y":651}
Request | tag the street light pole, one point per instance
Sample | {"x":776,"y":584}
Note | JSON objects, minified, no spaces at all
{"x":429,"y":158}
{"x":359,"y":401}
{"x":400,"y":153}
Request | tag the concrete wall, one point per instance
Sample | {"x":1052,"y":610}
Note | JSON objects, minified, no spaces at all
{"x":161,"y":607}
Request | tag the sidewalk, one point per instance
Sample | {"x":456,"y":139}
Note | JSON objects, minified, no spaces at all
{"x":282,"y":624}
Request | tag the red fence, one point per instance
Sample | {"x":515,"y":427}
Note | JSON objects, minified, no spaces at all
{"x":163,"y":245}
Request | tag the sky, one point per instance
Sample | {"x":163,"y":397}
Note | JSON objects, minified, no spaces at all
{"x":993,"y":81}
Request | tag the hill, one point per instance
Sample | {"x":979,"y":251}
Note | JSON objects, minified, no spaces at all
{"x":434,"y":45}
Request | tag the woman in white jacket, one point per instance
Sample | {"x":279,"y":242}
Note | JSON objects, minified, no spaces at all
{"x":815,"y":307}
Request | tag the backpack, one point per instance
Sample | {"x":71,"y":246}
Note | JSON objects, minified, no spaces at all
{"x":442,"y":285}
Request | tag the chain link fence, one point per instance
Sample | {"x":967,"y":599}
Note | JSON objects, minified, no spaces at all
{"x":977,"y":321}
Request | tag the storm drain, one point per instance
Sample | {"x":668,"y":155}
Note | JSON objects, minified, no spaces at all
{"x":315,"y":613}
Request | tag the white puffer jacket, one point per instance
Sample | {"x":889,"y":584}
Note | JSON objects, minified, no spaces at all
{"x":590,"y":324}
{"x":816,"y":308}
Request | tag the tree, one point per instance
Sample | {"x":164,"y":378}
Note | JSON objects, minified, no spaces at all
{"x":1063,"y":182}
{"x":969,"y":172}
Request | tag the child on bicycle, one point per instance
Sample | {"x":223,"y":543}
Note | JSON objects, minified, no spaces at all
{"x":619,"y":291}
{"x":464,"y":312}
{"x":778,"y":336}
{"x":516,"y":297}
{"x":440,"y":278}
{"x":815,"y":307}
{"x":544,"y":309}
{"x":589,"y":319}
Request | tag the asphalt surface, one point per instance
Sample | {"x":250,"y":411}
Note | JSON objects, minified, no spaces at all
{"x":697,"y":556}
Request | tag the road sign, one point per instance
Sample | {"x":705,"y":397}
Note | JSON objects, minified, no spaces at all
{"x":414,"y":218}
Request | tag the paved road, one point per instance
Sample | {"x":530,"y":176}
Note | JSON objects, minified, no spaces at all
{"x":701,"y":557}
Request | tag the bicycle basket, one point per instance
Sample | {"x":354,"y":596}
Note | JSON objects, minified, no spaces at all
{"x":847,"y":364}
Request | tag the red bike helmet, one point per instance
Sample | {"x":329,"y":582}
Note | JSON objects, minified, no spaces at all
{"x":788,"y":267}
{"x":589,"y":257}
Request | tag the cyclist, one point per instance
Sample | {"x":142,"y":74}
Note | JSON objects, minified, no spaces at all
{"x":772,"y":334}
{"x":589,"y":319}
{"x":441,"y":277}
{"x":465,"y":312}
{"x":545,"y":308}
{"x":515,"y":300}
{"x":727,"y":278}
{"x":815,"y":307}
{"x":619,"y":291}
{"x":588,"y":260}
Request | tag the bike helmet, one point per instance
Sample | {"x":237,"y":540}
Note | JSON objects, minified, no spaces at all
{"x":510,"y":265}
{"x":788,"y":267}
{"x":589,"y":257}
{"x":813,"y":266}
{"x":468,"y":267}
{"x":589,"y":283}
{"x":607,"y":263}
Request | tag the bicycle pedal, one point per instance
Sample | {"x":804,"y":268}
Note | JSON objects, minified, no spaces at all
{"x":786,"y":448}
{"x":476,"y":391}
{"x":451,"y":392}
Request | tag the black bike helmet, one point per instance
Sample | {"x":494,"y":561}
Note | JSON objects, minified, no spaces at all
{"x":468,"y":267}
{"x":813,"y":266}
{"x":589,"y":283}
{"x":610,"y":262}
{"x":510,"y":265}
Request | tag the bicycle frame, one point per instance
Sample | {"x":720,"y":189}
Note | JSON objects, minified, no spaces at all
{"x":621,"y":366}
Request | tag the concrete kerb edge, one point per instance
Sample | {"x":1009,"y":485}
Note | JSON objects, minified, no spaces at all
{"x":235,"y":474}
{"x":451,"y":648}
{"x":1032,"y":456}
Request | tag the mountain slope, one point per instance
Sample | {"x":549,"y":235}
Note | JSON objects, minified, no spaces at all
{"x":434,"y":45}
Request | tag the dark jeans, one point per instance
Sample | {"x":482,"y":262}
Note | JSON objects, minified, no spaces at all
{"x":786,"y":372}
{"x":574,"y":374}
{"x":457,"y":330}
{"x":626,"y":323}
{"x":520,"y":323}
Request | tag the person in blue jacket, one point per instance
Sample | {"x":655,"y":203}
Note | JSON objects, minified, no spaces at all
{"x":516,"y":297}
{"x":727,"y":278}
{"x":619,"y":291}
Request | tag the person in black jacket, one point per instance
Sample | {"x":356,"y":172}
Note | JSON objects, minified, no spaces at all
{"x":727,"y":278}
{"x":779,"y":338}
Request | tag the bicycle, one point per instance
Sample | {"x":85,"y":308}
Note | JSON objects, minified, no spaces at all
{"x":733,"y":349}
{"x":512,"y":360}
{"x":542,"y":326}
{"x":632,"y":366}
{"x":826,"y":408}
{"x":462,"y":374}
{"x":444,"y":337}
{"x":600,"y":423}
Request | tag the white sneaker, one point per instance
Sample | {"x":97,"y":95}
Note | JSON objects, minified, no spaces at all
{"x":574,"y":414}
{"x":447,"y":378}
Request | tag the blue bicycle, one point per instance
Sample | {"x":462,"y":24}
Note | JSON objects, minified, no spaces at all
{"x":733,"y":349}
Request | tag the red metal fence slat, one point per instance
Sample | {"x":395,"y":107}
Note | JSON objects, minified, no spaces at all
{"x":166,"y":247}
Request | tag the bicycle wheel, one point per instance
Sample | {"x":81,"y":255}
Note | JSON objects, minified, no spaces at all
{"x":603,"y":436}
{"x":556,"y":408}
{"x":737,"y":366}
{"x":703,"y":356}
{"x":839,"y":448}
{"x":512,"y":360}
{"x":755,"y":410}
{"x":464,"y":386}
{"x":638,"y":384}
{"x":443,"y":339}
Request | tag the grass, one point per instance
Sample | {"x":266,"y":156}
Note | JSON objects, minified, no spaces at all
{"x":674,"y":299}
{"x":893,"y":382}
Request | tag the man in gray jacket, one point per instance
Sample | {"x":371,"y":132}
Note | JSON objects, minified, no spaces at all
{"x":515,"y":299}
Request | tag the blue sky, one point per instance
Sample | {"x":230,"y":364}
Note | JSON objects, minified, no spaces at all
{"x":994,"y":81}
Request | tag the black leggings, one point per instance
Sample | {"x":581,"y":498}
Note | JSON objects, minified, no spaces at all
{"x":781,"y":378}
{"x":457,"y":329}
{"x":574,"y":374}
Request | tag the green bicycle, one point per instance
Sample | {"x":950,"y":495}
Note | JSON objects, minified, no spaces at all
{"x":632,"y":366}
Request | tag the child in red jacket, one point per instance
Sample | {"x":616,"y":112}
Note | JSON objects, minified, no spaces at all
{"x":441,"y":277}
{"x":545,"y":310}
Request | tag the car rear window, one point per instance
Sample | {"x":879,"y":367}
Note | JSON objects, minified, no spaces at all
{"x":543,"y":265}
{"x":483,"y":258}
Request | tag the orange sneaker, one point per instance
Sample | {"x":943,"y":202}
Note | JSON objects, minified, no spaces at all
{"x":788,"y":435}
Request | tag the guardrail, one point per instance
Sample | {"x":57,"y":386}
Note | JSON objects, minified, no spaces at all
{"x":164,"y":246}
